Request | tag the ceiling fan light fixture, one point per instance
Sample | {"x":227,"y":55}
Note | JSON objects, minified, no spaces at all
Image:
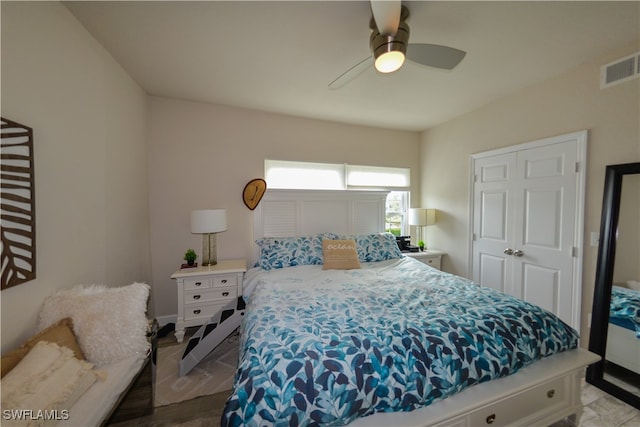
{"x":389,"y":44}
{"x":388,"y":62}
{"x":389,"y":50}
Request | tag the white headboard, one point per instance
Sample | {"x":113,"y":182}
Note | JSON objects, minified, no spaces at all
{"x":303,"y":212}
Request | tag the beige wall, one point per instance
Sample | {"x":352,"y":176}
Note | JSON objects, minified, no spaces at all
{"x":570,"y":102}
{"x":201,"y":156}
{"x":89,"y":122}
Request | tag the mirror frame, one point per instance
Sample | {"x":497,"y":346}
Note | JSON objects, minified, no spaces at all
{"x":604,"y":279}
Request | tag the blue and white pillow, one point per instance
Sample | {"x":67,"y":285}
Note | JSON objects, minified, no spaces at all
{"x":376,"y":246}
{"x":279,"y":252}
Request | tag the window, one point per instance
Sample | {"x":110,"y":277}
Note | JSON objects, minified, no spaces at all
{"x":330,"y":176}
{"x":304,"y":175}
{"x":396,"y":213}
{"x":380,"y":177}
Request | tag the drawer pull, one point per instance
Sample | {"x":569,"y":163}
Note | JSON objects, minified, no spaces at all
{"x":196,"y":297}
{"x":551,"y":393}
{"x":224,"y":280}
{"x":491,"y":418}
{"x":198,"y":283}
{"x":224,"y":294}
{"x":196,"y":311}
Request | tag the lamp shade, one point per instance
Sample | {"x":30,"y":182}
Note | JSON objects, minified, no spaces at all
{"x":208,"y":221}
{"x":420,"y":216}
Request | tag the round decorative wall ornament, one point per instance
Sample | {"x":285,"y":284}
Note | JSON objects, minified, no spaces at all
{"x":253,"y":192}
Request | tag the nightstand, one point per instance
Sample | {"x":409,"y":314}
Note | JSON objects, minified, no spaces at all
{"x":430,"y":257}
{"x":203,"y":291}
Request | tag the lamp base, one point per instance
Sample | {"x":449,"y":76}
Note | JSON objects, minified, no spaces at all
{"x":209,"y":250}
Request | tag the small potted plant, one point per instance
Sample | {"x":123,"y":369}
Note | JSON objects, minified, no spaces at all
{"x":421,"y":245}
{"x":190,"y":256}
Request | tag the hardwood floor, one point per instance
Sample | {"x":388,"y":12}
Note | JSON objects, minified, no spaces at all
{"x":204,"y":411}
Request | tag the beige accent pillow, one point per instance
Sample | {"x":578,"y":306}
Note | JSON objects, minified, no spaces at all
{"x":48,"y":378}
{"x":60,"y":333}
{"x":340,"y":255}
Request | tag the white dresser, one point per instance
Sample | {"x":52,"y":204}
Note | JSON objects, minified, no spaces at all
{"x":203,"y":291}
{"x":430,"y":257}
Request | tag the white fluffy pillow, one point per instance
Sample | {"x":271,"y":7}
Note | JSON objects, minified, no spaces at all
{"x":49,"y":378}
{"x":110,"y":324}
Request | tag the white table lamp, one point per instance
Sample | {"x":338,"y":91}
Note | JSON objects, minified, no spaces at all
{"x":208,"y":222}
{"x":422,"y":217}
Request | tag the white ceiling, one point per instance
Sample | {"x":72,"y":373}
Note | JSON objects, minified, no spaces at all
{"x":281,"y":56}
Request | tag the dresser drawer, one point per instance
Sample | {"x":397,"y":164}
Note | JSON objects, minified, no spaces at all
{"x":204,"y":311}
{"x":197,"y":283}
{"x":540,"y":400}
{"x":224,"y":280}
{"x":211,"y":294}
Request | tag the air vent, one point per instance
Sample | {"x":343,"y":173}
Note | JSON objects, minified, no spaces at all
{"x":619,"y":71}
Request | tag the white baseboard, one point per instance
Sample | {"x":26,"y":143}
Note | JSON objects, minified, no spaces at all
{"x":163,"y":320}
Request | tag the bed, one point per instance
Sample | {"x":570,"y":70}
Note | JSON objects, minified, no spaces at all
{"x":394,"y":342}
{"x":623,"y":336}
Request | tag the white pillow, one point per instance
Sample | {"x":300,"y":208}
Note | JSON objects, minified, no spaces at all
{"x":110,"y":324}
{"x":49,"y":378}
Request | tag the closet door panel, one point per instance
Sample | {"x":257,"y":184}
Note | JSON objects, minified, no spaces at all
{"x":545,"y":226}
{"x":542,"y":218}
{"x":491,"y":265}
{"x":541,"y":286}
{"x":493,"y":272}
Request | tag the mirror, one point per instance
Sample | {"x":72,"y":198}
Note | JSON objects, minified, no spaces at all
{"x":615,"y":326}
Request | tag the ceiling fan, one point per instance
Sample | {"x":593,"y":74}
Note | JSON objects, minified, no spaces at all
{"x":389,"y":42}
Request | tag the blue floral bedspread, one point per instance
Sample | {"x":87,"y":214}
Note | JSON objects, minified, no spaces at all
{"x":325,"y":347}
{"x":625,"y":308}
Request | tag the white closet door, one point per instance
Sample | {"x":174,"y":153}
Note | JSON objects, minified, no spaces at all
{"x":492,"y":221}
{"x":526,"y":214}
{"x":544,"y":227}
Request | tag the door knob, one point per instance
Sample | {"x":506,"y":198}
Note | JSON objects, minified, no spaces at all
{"x":518,"y":253}
{"x":508,"y":251}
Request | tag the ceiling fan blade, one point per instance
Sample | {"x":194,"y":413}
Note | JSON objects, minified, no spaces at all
{"x":433,"y":55}
{"x":386,"y":14}
{"x":351,"y":73}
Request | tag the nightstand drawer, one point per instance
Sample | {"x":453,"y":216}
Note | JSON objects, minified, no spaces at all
{"x":226,"y":280}
{"x":433,"y":262}
{"x":432,"y":258}
{"x":197,"y":283}
{"x":211,"y":294}
{"x":193,"y":312}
